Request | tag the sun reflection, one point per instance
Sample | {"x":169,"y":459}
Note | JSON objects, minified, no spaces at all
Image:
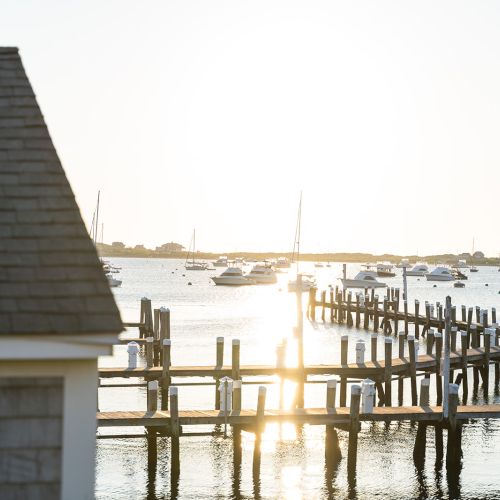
{"x":291,"y":477}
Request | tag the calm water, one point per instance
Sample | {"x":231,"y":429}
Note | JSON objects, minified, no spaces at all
{"x":292,"y":459}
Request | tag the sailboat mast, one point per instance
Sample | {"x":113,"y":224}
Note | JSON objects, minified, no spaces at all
{"x":96,"y":227}
{"x":194,"y":243}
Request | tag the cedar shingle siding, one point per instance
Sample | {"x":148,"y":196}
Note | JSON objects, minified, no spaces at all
{"x":51,"y":280}
{"x":30,"y":438}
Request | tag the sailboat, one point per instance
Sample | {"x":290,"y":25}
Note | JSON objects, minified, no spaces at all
{"x":192,"y":264}
{"x":473,"y":268}
{"x":112,"y":281}
{"x":308,"y":280}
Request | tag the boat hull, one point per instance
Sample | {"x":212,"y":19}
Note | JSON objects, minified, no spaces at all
{"x":436,"y":277}
{"x":415,"y":273}
{"x":262,"y":279}
{"x":350,"y":283}
{"x":386,"y":274}
{"x":232,"y":281}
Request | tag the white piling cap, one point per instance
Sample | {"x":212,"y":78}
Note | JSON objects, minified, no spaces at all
{"x":438,"y":335}
{"x":331,"y":383}
{"x":144,"y":298}
{"x":236,"y":341}
{"x":388,"y":340}
{"x":226,"y":379}
{"x":401,"y":334}
{"x":463,"y":333}
{"x":262,"y":390}
{"x":471,"y":308}
{"x":411,"y":338}
{"x":164,"y":309}
{"x":489,"y":331}
{"x":166,"y":342}
{"x":417,"y":302}
{"x":374,"y":335}
{"x":173,"y":391}
{"x":132,"y":347}
{"x":473,"y":327}
{"x":453,"y":388}
{"x":236,"y":384}
{"x":344,"y":337}
{"x":356,"y":389}
{"x":220,"y":340}
{"x":150,"y":339}
{"x":367,"y":381}
{"x":431,"y":331}
{"x":153,"y":385}
{"x":425,"y":381}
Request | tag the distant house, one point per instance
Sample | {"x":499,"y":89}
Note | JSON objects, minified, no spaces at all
{"x":478,"y":255}
{"x":139,"y":247}
{"x":118,"y":244}
{"x":57,"y":314}
{"x":170,"y":247}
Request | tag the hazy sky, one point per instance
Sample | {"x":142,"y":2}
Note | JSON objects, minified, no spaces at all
{"x":215,"y":115}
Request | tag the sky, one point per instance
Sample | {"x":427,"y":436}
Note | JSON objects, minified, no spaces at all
{"x":214,"y":115}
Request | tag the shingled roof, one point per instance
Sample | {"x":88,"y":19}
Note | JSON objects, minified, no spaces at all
{"x":51,"y":280}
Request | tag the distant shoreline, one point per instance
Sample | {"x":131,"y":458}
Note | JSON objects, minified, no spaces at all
{"x":109,"y":251}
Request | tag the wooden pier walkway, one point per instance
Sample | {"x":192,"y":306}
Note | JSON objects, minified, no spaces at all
{"x":425,"y":362}
{"x":301,"y":416}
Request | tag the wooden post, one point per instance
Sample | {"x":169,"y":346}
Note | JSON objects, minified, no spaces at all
{"x":413,"y":369}
{"x":497,"y":364}
{"x":417,"y":319}
{"x":469,"y":324}
{"x":388,"y":371}
{"x":152,"y":395}
{"x":332,"y":447}
{"x":464,"y":313}
{"x":405,"y":306}
{"x":237,"y":395}
{"x":427,"y":317}
{"x":344,"y":344}
{"x":340,"y":312}
{"x":164,"y":329}
{"x":420,"y":440}
{"x":474,"y":344}
{"x":463,"y":360}
{"x":385,"y":318}
{"x":353,"y":429}
{"x":366,"y":314}
{"x":430,"y":341}
{"x":332,"y":305}
{"x":312,"y":296}
{"x":439,"y":350}
{"x":374,"y":339}
{"x":149,"y":351}
{"x":401,"y":340}
{"x":323,"y":305}
{"x":235,"y":360}
{"x":396,"y":310}
{"x":219,"y":361}
{"x":478,"y":314}
{"x":156,"y":335}
{"x":488,"y":333}
{"x":261,"y":405}
{"x":165,"y":372}
{"x":358,"y":312}
{"x":349,"y":312}
{"x":175,"y":430}
{"x":453,"y":448}
{"x":375,"y":313}
{"x":493,"y":315}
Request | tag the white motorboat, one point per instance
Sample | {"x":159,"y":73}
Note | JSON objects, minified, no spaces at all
{"x":385,"y":271}
{"x":319,"y":264}
{"x":308,"y":281}
{"x":113,"y":282}
{"x":282,"y":263}
{"x":220,"y":262}
{"x":262,"y":274}
{"x":233,"y":276}
{"x":418,"y":270}
{"x":364,"y":279}
{"x":440,"y":274}
{"x":461,"y":264}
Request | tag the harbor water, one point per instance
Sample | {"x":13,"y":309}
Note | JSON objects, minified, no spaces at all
{"x":292,"y":462}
